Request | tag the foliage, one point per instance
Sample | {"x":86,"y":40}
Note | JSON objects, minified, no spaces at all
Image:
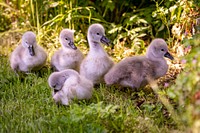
{"x":4,"y":22}
{"x":130,"y":26}
{"x":178,"y":19}
{"x":186,"y":91}
{"x":126,"y":28}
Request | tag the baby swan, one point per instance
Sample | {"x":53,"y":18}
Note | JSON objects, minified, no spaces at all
{"x":97,"y":62}
{"x":137,"y":71}
{"x":28,"y":56}
{"x":68,"y":85}
{"x":68,"y":57}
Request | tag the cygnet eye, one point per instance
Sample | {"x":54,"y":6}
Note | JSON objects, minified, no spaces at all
{"x":162,"y":50}
{"x":97,"y":33}
{"x":66,"y":38}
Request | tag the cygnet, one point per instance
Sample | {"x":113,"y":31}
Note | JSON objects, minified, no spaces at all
{"x":97,"y":63}
{"x":68,"y":57}
{"x":137,"y":71}
{"x":28,"y":56}
{"x":68,"y":85}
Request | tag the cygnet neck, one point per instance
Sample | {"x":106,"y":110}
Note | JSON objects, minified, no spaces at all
{"x":68,"y":49}
{"x":161,"y":66}
{"x":95,"y":47}
{"x":150,"y":55}
{"x":73,"y":77}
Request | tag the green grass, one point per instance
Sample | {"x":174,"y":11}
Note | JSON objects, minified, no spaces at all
{"x":26,"y":105}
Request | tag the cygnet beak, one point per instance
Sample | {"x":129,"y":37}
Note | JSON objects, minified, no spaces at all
{"x":168,"y":55}
{"x":31,"y":50}
{"x":55,"y":91}
{"x":105,"y":40}
{"x":71,"y":44}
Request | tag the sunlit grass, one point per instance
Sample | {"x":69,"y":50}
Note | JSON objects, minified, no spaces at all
{"x":26,"y":105}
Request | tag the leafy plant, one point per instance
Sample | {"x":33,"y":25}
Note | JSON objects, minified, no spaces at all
{"x":177,"y":18}
{"x":186,"y":90}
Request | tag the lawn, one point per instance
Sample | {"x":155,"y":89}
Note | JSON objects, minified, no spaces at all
{"x":26,"y":105}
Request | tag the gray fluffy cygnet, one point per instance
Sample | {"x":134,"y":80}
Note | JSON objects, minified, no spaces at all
{"x":137,"y":71}
{"x":97,"y":63}
{"x":68,"y":84}
{"x":68,"y":57}
{"x":28,"y":56}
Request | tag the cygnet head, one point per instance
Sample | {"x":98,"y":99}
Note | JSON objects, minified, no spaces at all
{"x":96,"y":33}
{"x":57,"y":79}
{"x":67,"y":39}
{"x":158,"y":49}
{"x":29,"y":41}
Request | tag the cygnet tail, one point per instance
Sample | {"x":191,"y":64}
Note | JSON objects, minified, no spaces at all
{"x":84,"y":93}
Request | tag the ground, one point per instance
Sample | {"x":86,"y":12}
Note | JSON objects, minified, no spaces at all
{"x":27,"y":106}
